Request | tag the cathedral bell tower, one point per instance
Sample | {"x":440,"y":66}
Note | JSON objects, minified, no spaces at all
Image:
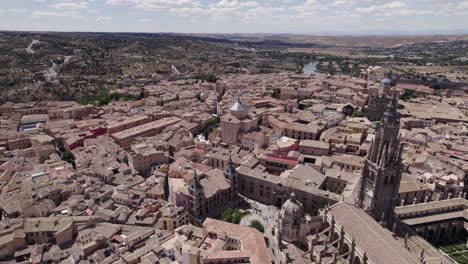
{"x":381,"y":175}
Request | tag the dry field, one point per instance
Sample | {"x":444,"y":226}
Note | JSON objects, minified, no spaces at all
{"x":453,"y":73}
{"x":330,"y":51}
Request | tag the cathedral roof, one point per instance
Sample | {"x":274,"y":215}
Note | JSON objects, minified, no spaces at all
{"x":378,"y":242}
{"x":238,"y":106}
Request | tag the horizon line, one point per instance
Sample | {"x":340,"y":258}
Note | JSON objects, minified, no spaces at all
{"x":317,"y":34}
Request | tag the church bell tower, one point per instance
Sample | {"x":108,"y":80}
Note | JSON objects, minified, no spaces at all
{"x":381,"y":175}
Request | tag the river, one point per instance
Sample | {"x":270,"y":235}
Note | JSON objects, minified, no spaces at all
{"x":309,"y":68}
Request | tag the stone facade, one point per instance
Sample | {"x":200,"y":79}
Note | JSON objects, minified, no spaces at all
{"x":382,"y":169}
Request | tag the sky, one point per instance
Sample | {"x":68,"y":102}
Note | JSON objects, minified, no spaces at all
{"x":359,"y":17}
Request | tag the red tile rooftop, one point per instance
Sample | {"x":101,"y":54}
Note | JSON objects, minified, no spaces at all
{"x":283,"y":159}
{"x":138,"y":130}
{"x":126,"y":120}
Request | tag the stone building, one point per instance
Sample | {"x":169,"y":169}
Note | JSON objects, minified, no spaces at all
{"x":303,"y":180}
{"x":382,"y":168}
{"x":378,"y":99}
{"x":348,"y":235}
{"x":237,"y":122}
{"x":210,"y":193}
{"x":302,"y":131}
{"x":413,"y":192}
{"x":295,"y":224}
{"x":220,"y":242}
{"x":144,"y":157}
{"x":437,"y":221}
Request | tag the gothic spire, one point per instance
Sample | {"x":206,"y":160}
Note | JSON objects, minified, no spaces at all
{"x":391,"y":114}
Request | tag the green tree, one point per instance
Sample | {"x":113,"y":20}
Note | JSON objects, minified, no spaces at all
{"x":208,"y":77}
{"x":276,"y":93}
{"x":211,"y":78}
{"x":142,"y":94}
{"x":227,"y":215}
{"x":357,"y":113}
{"x":213,"y":121}
{"x":60,"y":146}
{"x":69,"y":157}
{"x":331,"y":69}
{"x":257,"y":225}
{"x":233,"y":215}
{"x":408,"y":94}
{"x":237,"y":216}
{"x":199,"y":98}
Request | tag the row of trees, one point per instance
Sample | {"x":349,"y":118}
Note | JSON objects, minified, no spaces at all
{"x":105,"y":98}
{"x":65,"y":154}
{"x":210,"y":125}
{"x":235,"y":215}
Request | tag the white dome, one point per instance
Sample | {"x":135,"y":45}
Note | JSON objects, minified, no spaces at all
{"x":238,"y":107}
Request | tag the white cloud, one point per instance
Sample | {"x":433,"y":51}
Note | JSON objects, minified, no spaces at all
{"x":342,"y":3}
{"x":38,"y":14}
{"x":264,"y":13}
{"x":154,"y":5}
{"x":190,"y":11}
{"x":294,"y":16}
{"x":234,"y":4}
{"x":450,"y":9}
{"x":309,"y":9}
{"x":390,"y":9}
{"x":70,"y":6}
{"x":104,"y":18}
{"x":17,"y":10}
{"x":463,"y":5}
{"x":381,"y":8}
{"x":221,"y":10}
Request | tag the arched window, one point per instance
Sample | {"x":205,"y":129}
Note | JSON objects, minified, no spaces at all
{"x":454,"y":231}
{"x":344,"y":249}
{"x":442,"y":233}
{"x":357,"y":260}
{"x":430,"y":234}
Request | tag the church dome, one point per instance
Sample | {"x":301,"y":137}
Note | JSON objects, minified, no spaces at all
{"x":292,"y":209}
{"x":388,"y":79}
{"x":238,"y":106}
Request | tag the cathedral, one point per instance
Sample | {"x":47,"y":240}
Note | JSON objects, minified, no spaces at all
{"x":382,"y":169}
{"x":379,"y":97}
{"x":237,"y":122}
{"x":366,"y":231}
